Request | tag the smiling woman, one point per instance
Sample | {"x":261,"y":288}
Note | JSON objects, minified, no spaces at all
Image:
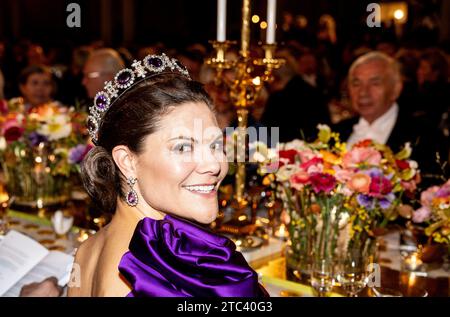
{"x":157,"y":165}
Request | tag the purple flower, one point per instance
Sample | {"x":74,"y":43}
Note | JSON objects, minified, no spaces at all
{"x":386,"y":201}
{"x":443,"y":192}
{"x":77,"y":153}
{"x":366,"y":201}
{"x":422,"y":214}
{"x":36,"y":138}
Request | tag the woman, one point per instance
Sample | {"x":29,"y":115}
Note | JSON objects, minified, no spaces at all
{"x":37,"y":86}
{"x":157,"y":164}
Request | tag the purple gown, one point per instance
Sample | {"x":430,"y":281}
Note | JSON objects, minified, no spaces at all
{"x":175,"y":257}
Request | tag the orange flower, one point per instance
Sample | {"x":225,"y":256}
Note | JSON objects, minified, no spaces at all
{"x":315,"y":208}
{"x":359,"y":183}
{"x":364,"y":143}
{"x":330,"y":158}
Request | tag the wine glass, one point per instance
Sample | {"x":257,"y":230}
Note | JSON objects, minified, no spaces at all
{"x":352,"y":273}
{"x":322,"y":276}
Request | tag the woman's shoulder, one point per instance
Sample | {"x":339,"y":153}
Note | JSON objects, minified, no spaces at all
{"x":86,"y":258}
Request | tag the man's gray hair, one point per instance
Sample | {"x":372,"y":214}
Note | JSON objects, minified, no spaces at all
{"x":391,"y":64}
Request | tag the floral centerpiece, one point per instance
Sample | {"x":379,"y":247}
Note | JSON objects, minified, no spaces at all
{"x":336,"y":198}
{"x":40,"y":150}
{"x":435,"y":214}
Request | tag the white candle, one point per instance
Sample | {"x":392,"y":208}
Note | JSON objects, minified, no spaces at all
{"x":271,"y":19}
{"x":221,"y":20}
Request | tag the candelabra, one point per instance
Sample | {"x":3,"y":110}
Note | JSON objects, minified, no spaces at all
{"x":245,"y":84}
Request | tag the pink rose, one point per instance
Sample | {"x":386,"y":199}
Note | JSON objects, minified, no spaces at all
{"x":360,"y":183}
{"x":314,"y":165}
{"x":380,"y":186}
{"x":306,"y":155}
{"x":409,"y":186}
{"x":422,"y":214}
{"x":12,"y":131}
{"x":427,"y":196}
{"x":343,"y":175}
{"x":321,"y":182}
{"x":3,"y":106}
{"x":361,"y":156}
{"x":299,"y":180}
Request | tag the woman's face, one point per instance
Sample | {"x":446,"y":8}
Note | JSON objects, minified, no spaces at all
{"x":38,"y":89}
{"x":183,"y":163}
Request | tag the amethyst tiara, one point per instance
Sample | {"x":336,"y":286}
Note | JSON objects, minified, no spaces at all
{"x":150,"y":66}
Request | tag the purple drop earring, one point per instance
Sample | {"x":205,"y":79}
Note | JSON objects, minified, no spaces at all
{"x":131,"y":197}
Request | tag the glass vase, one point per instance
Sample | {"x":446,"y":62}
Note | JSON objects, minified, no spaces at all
{"x":30,"y":178}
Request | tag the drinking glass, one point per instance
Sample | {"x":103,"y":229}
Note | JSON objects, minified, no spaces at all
{"x":352,"y":273}
{"x":322,"y":276}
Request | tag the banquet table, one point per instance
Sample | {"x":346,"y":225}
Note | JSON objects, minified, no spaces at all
{"x":269,"y":262}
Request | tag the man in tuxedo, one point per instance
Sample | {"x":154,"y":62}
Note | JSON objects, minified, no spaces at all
{"x":374,"y":85}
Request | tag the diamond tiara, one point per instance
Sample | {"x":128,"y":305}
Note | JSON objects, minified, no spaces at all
{"x":150,"y":66}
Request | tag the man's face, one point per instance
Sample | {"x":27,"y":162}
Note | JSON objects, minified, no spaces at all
{"x":94,"y":77}
{"x":373,"y":89}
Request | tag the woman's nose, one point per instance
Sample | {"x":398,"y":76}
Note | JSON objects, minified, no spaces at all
{"x":209,"y":162}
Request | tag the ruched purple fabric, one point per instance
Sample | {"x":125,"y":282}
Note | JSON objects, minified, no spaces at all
{"x":173,"y":257}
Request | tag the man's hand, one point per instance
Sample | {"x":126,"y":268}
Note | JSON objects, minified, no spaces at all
{"x":47,"y":288}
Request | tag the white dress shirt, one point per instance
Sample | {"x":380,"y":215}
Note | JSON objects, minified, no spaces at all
{"x":379,"y":130}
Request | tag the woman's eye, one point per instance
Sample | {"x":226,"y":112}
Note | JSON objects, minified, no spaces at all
{"x":183,"y":148}
{"x":218,"y":146}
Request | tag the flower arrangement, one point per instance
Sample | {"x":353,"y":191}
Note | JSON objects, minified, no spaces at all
{"x":435,"y":213}
{"x":336,"y":197}
{"x":40,"y":148}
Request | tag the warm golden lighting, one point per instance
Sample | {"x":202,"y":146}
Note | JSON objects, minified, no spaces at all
{"x":256,"y":81}
{"x":242,"y":218}
{"x":263,"y":25}
{"x":399,"y":14}
{"x":255,"y":18}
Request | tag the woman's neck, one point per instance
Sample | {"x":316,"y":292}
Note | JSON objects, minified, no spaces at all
{"x":127,"y":216}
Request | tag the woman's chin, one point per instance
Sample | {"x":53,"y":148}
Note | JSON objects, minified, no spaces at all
{"x":206,"y":217}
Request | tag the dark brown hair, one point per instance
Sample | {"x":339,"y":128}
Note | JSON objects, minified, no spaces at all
{"x":128,"y":121}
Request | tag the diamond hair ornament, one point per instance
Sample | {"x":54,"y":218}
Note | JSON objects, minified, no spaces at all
{"x":150,"y":66}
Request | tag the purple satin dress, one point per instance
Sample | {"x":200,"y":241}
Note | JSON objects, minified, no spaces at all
{"x":173,"y":257}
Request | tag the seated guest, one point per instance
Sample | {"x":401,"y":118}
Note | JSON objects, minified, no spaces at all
{"x":37,"y":86}
{"x":101,"y":66}
{"x":302,"y":94}
{"x":374,"y":85}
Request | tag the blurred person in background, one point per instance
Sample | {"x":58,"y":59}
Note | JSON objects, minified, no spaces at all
{"x":433,"y":95}
{"x":37,"y":86}
{"x":302,"y":94}
{"x":101,"y":66}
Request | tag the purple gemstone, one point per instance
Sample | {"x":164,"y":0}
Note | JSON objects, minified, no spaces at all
{"x":101,"y":102}
{"x":132,"y":198}
{"x":155,"y":62}
{"x":124,"y":78}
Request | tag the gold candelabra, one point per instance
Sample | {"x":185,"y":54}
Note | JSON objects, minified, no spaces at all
{"x":244,"y":87}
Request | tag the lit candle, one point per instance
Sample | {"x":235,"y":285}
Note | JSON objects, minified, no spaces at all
{"x":221,"y":20}
{"x":413,"y":262}
{"x":271,"y":19}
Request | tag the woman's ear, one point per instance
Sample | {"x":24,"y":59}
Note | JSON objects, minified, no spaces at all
{"x":125,"y":160}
